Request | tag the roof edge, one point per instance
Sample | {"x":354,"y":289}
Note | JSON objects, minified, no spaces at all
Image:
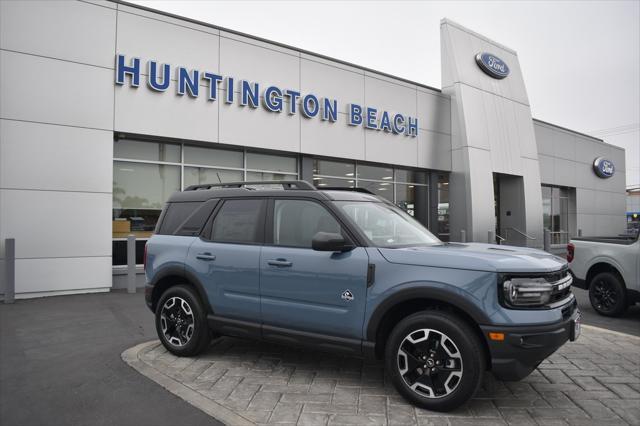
{"x":570,"y":130}
{"x":275,"y":43}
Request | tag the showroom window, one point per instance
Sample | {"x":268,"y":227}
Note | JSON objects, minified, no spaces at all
{"x":443,"y":207}
{"x":146,"y":173}
{"x":406,"y":188}
{"x":555,"y":212}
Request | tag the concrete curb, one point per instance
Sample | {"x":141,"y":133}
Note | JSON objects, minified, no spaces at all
{"x":605,"y":330}
{"x":213,"y":409}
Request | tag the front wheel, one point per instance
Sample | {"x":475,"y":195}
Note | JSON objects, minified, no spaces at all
{"x":607,"y":294}
{"x":435,"y":360}
{"x":181,"y":322}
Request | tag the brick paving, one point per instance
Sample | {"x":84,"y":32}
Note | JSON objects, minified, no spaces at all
{"x":593,"y":381}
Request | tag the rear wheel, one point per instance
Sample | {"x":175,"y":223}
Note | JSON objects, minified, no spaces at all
{"x":607,"y":294}
{"x":435,"y":360}
{"x":181,"y":322}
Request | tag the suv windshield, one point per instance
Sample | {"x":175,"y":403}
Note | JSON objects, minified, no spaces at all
{"x":386,"y":225}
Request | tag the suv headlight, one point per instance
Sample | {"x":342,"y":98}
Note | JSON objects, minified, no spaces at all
{"x":527,"y":291}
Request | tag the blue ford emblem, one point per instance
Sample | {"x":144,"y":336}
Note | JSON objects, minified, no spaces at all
{"x":492,"y":65}
{"x":603,"y":167}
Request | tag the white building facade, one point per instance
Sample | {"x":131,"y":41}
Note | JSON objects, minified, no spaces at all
{"x":107,"y":108}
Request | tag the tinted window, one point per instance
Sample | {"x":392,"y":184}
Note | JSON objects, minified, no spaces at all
{"x":239,"y":221}
{"x":196,"y":221}
{"x":175,"y":215}
{"x":295,"y":222}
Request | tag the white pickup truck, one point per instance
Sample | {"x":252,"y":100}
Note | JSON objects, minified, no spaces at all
{"x":609,"y":267}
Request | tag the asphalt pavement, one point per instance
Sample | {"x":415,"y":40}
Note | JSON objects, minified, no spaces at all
{"x":60,"y":364}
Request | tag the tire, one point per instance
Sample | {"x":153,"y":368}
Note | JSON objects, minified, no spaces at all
{"x":454,"y":345}
{"x":181,"y":322}
{"x":607,"y":294}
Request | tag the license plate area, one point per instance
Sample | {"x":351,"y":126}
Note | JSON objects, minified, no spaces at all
{"x":576,"y":328}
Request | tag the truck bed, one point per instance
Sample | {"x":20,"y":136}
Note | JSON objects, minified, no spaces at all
{"x":622,"y":239}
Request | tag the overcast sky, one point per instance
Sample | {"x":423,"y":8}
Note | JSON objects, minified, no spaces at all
{"x":580,"y":59}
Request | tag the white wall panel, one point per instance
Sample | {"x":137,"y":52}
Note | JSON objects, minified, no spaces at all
{"x":62,"y":274}
{"x":39,"y":89}
{"x":392,"y":97}
{"x":331,"y":82}
{"x":564,"y":172}
{"x":44,"y":156}
{"x":167,"y":43}
{"x":56,"y":224}
{"x":243,"y":60}
{"x":585,"y":201}
{"x":475,"y":118}
{"x":69,"y":30}
{"x":332,"y":139}
{"x":389,"y":148}
{"x":544,"y":139}
{"x":434,"y":112}
{"x":259,"y":128}
{"x":547,"y":169}
{"x":164,"y":18}
{"x":434,"y":150}
{"x":166,"y":114}
{"x":564,"y":145}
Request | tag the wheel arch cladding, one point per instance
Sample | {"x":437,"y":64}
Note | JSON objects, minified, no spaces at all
{"x":173,"y":277}
{"x":386,"y":317}
{"x":603,"y":267}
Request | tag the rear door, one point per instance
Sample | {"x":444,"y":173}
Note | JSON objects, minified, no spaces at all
{"x":317,"y":292}
{"x":226,"y":259}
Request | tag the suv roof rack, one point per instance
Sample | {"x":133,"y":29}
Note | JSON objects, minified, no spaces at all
{"x":342,"y":188}
{"x":286,"y":184}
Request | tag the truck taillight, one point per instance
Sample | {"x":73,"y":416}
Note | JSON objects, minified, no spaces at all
{"x":144,"y":258}
{"x":570,"y":252}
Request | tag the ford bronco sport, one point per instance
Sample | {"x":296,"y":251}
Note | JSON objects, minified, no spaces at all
{"x":344,"y":270}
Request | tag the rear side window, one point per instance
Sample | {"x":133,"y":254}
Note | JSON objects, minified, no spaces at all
{"x":175,"y":215}
{"x":239,"y":221}
{"x":195,"y":222}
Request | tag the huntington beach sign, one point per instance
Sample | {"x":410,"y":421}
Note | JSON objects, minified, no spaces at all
{"x":253,"y":95}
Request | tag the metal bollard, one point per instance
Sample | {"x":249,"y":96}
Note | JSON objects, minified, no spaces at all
{"x":463,"y":236}
{"x":579,"y":232}
{"x":9,"y":270}
{"x":491,"y":237}
{"x":131,"y":263}
{"x":546,"y":240}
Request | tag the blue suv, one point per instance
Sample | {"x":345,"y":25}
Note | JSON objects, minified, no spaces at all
{"x":343,"y":270}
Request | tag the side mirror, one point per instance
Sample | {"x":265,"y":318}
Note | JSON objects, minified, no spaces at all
{"x":327,"y":241}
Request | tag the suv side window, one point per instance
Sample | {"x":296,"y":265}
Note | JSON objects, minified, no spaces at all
{"x":239,"y":221}
{"x":174,"y":215}
{"x":295,"y":222}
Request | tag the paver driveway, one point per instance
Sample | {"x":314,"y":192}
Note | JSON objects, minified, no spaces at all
{"x":595,"y":380}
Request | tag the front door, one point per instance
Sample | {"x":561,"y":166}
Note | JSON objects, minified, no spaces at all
{"x":302,"y":289}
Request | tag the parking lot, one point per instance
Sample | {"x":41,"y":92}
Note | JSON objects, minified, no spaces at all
{"x":61,"y":364}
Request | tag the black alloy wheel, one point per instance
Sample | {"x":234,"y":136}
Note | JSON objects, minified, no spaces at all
{"x":607,"y":294}
{"x":181,"y":321}
{"x":435,"y":360}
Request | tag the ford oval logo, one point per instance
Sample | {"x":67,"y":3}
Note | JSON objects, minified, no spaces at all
{"x":603,"y":167}
{"x":492,"y":65}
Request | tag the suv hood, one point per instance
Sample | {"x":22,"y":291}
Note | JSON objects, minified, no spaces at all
{"x":477,"y":257}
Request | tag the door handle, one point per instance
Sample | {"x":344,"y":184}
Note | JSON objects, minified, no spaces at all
{"x":279,"y":262}
{"x":205,"y":256}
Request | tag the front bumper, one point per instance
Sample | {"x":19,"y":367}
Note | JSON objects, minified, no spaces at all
{"x":523,"y":348}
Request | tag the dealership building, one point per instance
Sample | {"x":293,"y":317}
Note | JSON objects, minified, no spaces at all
{"x":107,"y":108}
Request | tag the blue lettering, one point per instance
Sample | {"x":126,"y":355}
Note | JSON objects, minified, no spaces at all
{"x":293,"y":100}
{"x":273,"y":99}
{"x":355,"y":115}
{"x":213,"y":79}
{"x":188,"y":82}
{"x":385,"y":122}
{"x":249,"y":97}
{"x":310,"y":106}
{"x":330,"y":110}
{"x":412,"y":127}
{"x":153,"y":76}
{"x":229,"y":89}
{"x":122,"y":70}
{"x":371,"y":118}
{"x":398,"y":123}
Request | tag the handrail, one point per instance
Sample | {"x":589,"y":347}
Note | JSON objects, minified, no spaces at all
{"x":519,"y":232}
{"x":500,"y":238}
